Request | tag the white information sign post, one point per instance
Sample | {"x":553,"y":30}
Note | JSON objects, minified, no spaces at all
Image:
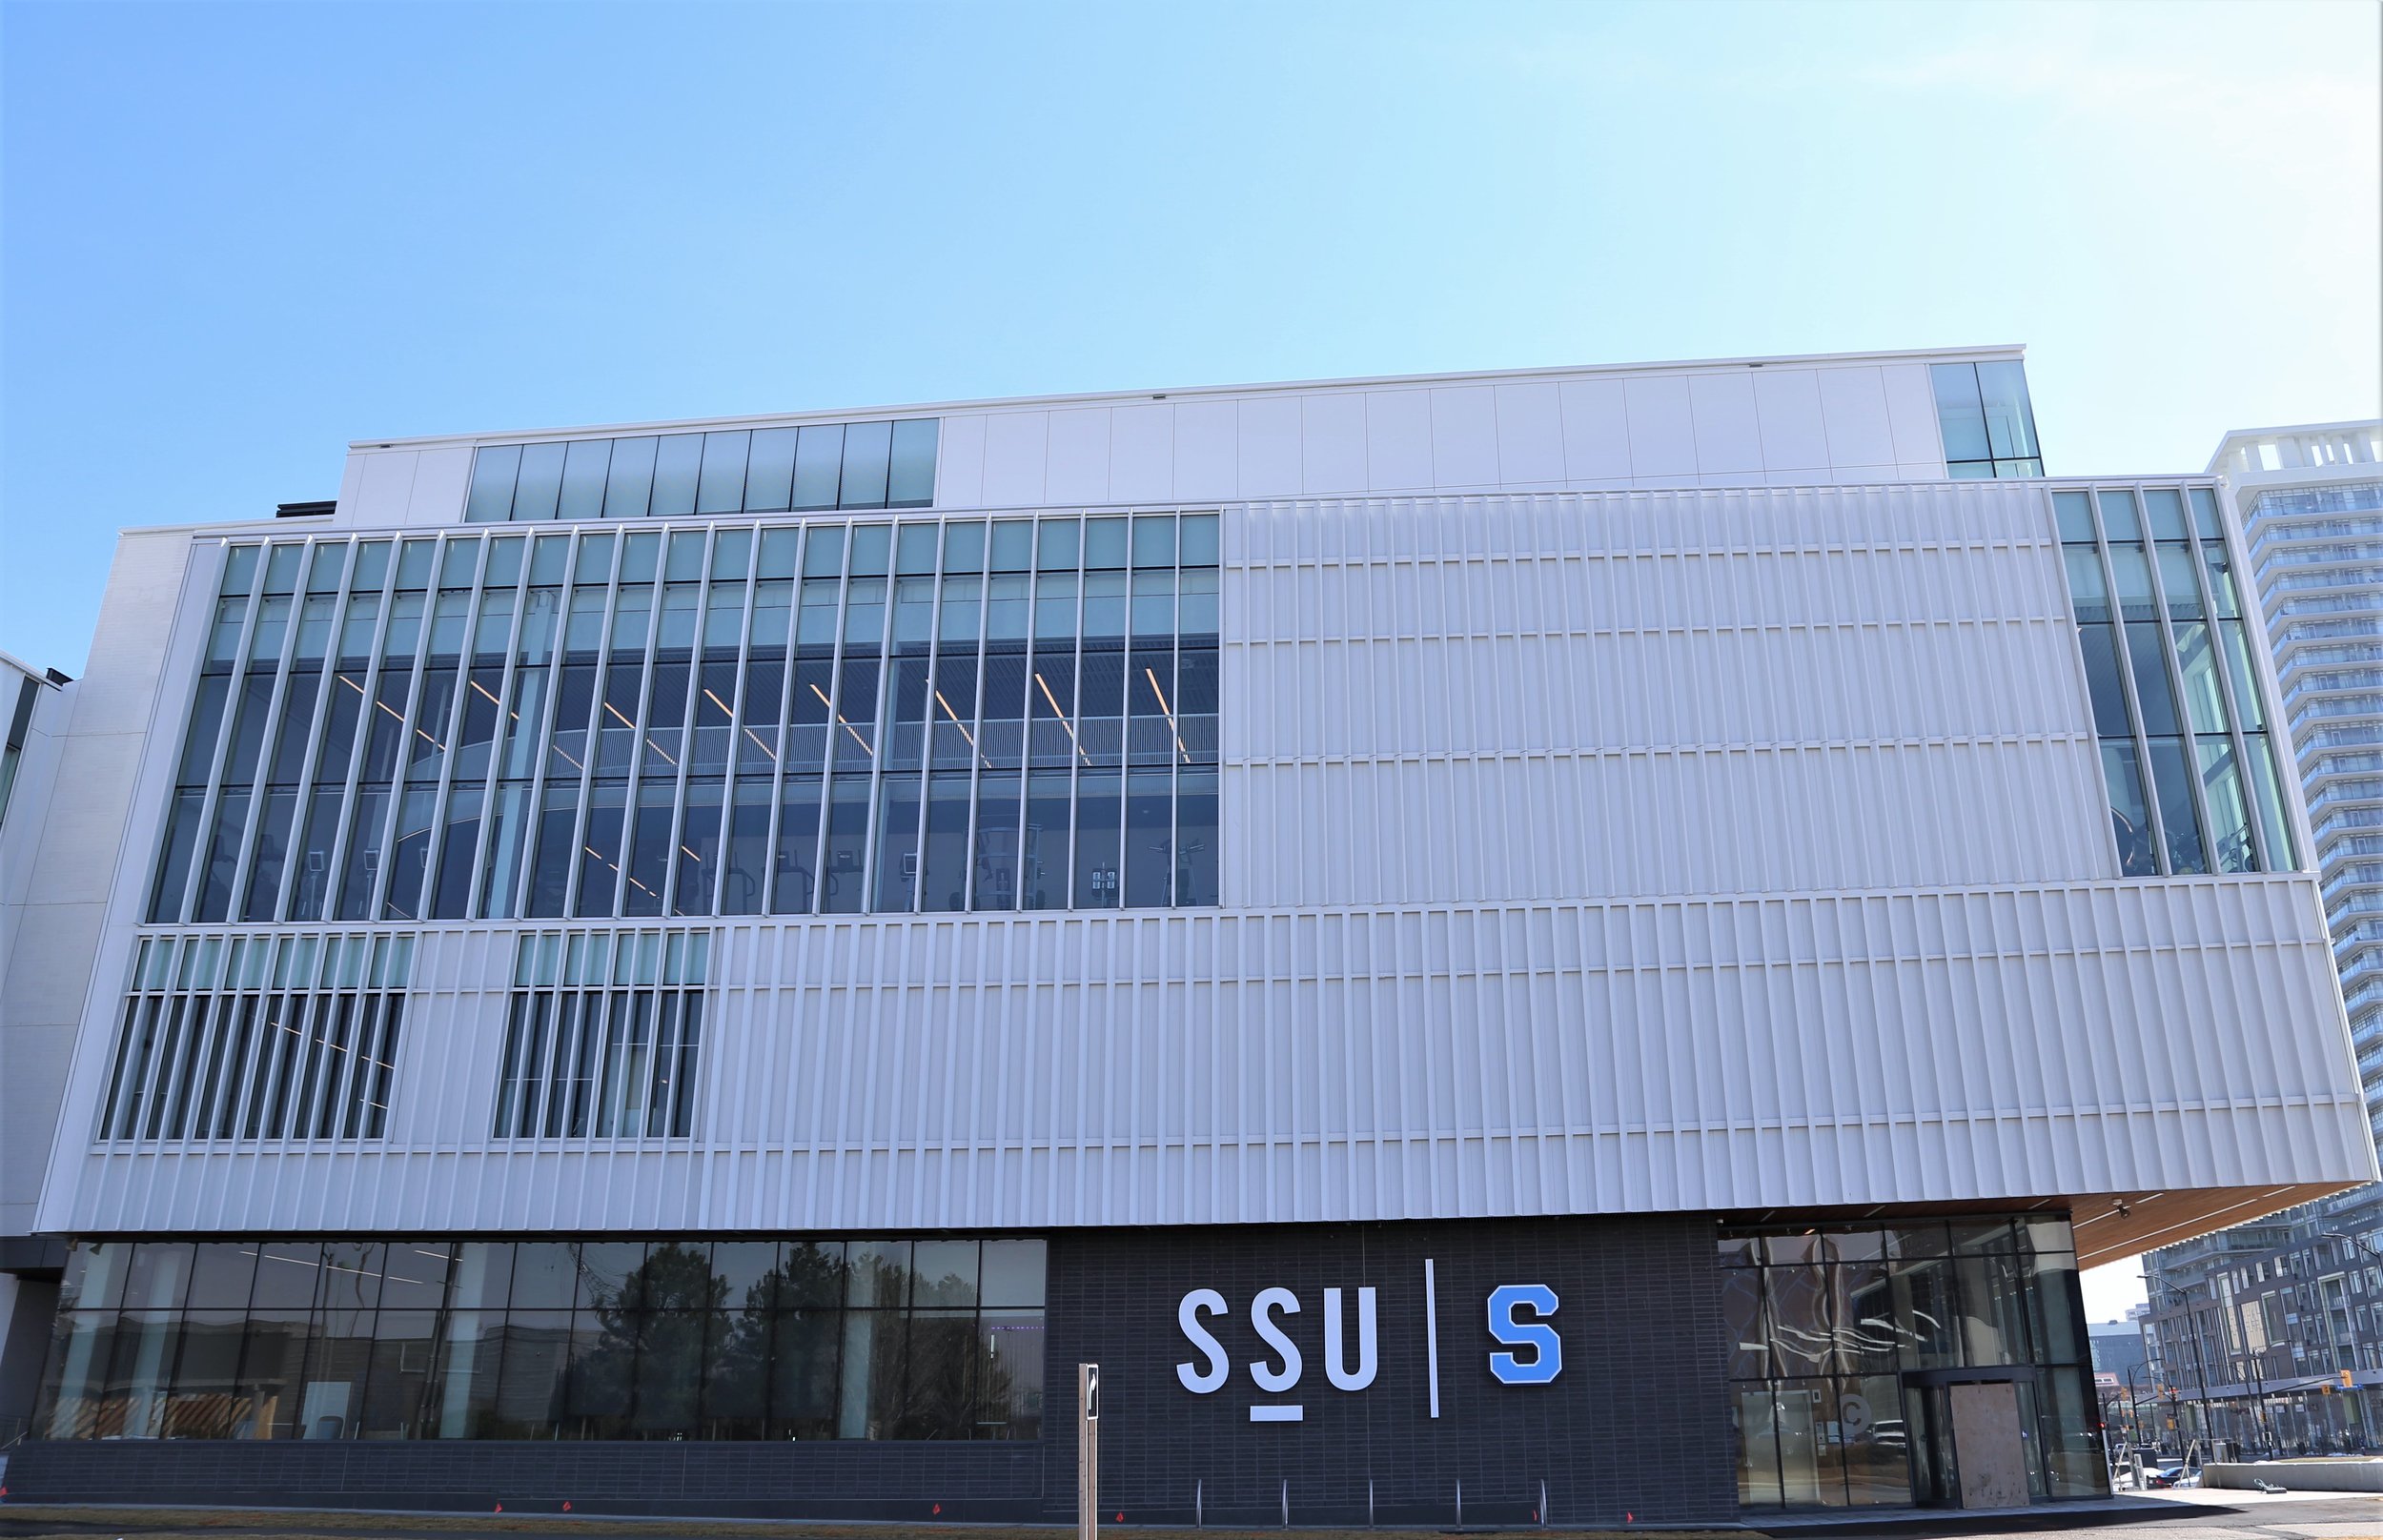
{"x":1088,"y":1451}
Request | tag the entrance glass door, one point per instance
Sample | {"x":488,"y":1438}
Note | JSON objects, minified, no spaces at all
{"x":1935,"y":1477}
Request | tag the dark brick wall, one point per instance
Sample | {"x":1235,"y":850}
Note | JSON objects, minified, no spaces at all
{"x":1636,"y":1425}
{"x":834,"y":1480}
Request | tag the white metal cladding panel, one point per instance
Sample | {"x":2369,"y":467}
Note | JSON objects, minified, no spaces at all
{"x":1172,"y":1069}
{"x":1464,"y":700}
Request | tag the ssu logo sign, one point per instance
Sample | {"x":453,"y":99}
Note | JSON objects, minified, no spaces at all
{"x":1520,"y":1319}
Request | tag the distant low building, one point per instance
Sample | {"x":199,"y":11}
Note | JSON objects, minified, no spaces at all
{"x":2117,"y":1347}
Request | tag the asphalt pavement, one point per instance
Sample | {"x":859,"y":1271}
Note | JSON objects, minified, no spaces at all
{"x":2189,"y":1515}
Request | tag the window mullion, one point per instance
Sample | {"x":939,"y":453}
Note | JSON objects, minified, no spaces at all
{"x":686,"y":730}
{"x":733,"y":760}
{"x":582,"y":819}
{"x":541,"y":737}
{"x":450,"y":758}
{"x":335,"y":856}
{"x":2172,"y":663}
{"x":1079,"y":758}
{"x":204,"y":834}
{"x":293,"y":856}
{"x":2144,"y":781}
{"x":636,"y":783}
{"x":499,"y":737}
{"x":276,"y":704}
{"x":2236,"y":734}
{"x":376,"y":898}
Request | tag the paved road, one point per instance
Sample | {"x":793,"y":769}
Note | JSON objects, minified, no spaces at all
{"x":2250,"y":1516}
{"x":2243,"y":1516}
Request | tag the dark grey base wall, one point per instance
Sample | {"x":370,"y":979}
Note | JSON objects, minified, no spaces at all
{"x":856,"y":1480}
{"x":1635,"y":1427}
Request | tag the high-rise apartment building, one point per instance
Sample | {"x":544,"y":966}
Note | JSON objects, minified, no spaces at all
{"x":2311,"y":503}
{"x":1590,"y":942}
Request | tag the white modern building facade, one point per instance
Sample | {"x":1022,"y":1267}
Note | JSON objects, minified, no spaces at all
{"x":35,"y":704}
{"x":1591,"y":939}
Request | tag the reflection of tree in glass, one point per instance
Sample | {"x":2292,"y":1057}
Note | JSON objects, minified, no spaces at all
{"x":806,"y":1278}
{"x":673,"y":1278}
{"x":940,"y":1402}
{"x":941,"y":1379}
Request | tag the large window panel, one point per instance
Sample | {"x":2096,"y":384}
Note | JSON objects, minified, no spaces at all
{"x":494,"y":470}
{"x":818,"y":465}
{"x":678,"y":464}
{"x":845,"y":846}
{"x":601,"y":849}
{"x":744,"y":855}
{"x":1150,"y":863}
{"x":550,"y":873}
{"x":1961,"y":412}
{"x":769,"y":475}
{"x":1099,"y":827}
{"x":896,"y":889}
{"x":943,"y":853}
{"x":409,"y":857}
{"x":541,"y":483}
{"x":912,"y":479}
{"x":531,"y":1384}
{"x":267,"y":864}
{"x":698,"y":849}
{"x":223,"y":856}
{"x":1197,"y":838}
{"x":795,"y":860}
{"x":721,"y":489}
{"x":2230,"y":814}
{"x":2172,"y":782}
{"x":867,"y":450}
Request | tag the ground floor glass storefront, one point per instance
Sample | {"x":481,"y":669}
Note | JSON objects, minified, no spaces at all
{"x":816,"y":1338}
{"x":1840,"y":1338}
{"x":1853,"y":1368}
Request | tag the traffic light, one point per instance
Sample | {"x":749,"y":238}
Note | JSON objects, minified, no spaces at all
{"x":2349,"y":1379}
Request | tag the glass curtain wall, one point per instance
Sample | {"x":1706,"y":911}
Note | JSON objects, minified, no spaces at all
{"x":2178,"y":707}
{"x":1986,"y":419}
{"x":1824,"y":1324}
{"x":677,"y":476}
{"x":818,"y":1337}
{"x":822,"y":718}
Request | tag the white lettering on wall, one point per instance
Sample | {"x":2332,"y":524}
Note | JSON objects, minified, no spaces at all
{"x":1188,"y":1316}
{"x":1262,"y":1311}
{"x":1336,"y":1364}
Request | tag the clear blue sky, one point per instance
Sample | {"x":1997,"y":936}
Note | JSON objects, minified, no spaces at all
{"x":236,"y":237}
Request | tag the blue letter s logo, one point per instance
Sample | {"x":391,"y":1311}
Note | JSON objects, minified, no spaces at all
{"x":1547,"y":1358}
